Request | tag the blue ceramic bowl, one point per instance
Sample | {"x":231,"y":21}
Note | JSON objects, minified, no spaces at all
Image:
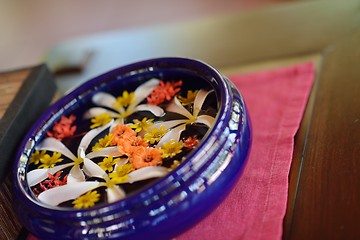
{"x":163,"y":207}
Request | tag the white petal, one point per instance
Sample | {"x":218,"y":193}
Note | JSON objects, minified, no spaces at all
{"x":147,"y":173}
{"x":89,"y":136}
{"x":105,"y":152}
{"x":176,"y":107}
{"x":144,"y":90}
{"x":93,"y":170}
{"x":52,"y":144}
{"x":199,"y":101}
{"x":104,"y":99}
{"x":173,"y":134}
{"x":115,"y":193}
{"x":156,"y":110}
{"x":38,"y":175}
{"x":95,"y":111}
{"x":169,"y":124}
{"x":205,"y":119}
{"x":57,"y":195}
{"x":75,"y":175}
{"x":121,"y":162}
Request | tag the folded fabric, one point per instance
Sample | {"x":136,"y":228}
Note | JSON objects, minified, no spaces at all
{"x":255,"y":208}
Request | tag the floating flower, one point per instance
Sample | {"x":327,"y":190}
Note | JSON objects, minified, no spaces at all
{"x":67,"y":192}
{"x":75,"y":175}
{"x":109,"y":104}
{"x":36,"y":156}
{"x":129,"y":145}
{"x":121,"y":132}
{"x":178,"y":126}
{"x":103,"y":143}
{"x":145,"y":157}
{"x":86,"y":200}
{"x":155,"y":134}
{"x":175,"y":164}
{"x":63,"y":128}
{"x":108,"y":163}
{"x":189,"y":99}
{"x":144,"y":124}
{"x":191,"y":142}
{"x":171,"y":148}
{"x":49,"y":161}
{"x":125,"y":100}
{"x":121,"y":173}
{"x":164,"y":92}
{"x":100,"y":120}
{"x":51,"y":182}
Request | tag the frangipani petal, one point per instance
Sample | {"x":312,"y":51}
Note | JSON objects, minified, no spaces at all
{"x":146,"y":173}
{"x":57,"y":195}
{"x":175,"y":106}
{"x":156,"y":110}
{"x":105,"y":152}
{"x":121,"y":162}
{"x":89,"y":136}
{"x":52,"y":144}
{"x":75,"y":175}
{"x":173,"y":134}
{"x":205,"y":119}
{"x":104,"y":99}
{"x":95,"y":111}
{"x":144,"y":90}
{"x":115,"y":193}
{"x":38,"y":175}
{"x":169,"y":124}
{"x":93,"y":170}
{"x":199,"y":101}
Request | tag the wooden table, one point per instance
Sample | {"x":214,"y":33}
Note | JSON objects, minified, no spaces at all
{"x":324,"y":182}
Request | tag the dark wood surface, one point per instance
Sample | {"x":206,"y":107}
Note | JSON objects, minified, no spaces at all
{"x":324,"y":193}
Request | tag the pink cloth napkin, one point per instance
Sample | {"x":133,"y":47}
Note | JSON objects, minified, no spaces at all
{"x":256,"y":206}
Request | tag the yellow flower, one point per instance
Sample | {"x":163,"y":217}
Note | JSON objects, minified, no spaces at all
{"x":36,"y":156}
{"x":124,"y":100}
{"x":103,"y":143}
{"x":50,"y":161}
{"x":120,"y":175}
{"x":171,"y":148}
{"x":174,"y":164}
{"x":144,"y":124}
{"x":87,"y":200}
{"x":189,"y":99}
{"x":155,"y":134}
{"x":108,"y":163}
{"x":100,"y":120}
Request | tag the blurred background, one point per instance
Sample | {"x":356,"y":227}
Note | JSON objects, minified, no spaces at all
{"x":31,"y":29}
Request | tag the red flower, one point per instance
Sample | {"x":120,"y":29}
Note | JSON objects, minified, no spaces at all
{"x":164,"y":92}
{"x":63,"y":128}
{"x":51,"y":182}
{"x":191,"y":142}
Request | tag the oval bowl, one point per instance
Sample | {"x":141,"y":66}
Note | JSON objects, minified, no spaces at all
{"x":160,"y":199}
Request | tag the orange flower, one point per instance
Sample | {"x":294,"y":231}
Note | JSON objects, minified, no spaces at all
{"x":145,"y":156}
{"x":122,"y":132}
{"x":164,"y":92}
{"x":128,"y":145}
{"x":63,"y":128}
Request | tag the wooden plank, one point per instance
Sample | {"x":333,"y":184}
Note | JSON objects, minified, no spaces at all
{"x":10,"y":84}
{"x":21,"y":107}
{"x":324,"y":198}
